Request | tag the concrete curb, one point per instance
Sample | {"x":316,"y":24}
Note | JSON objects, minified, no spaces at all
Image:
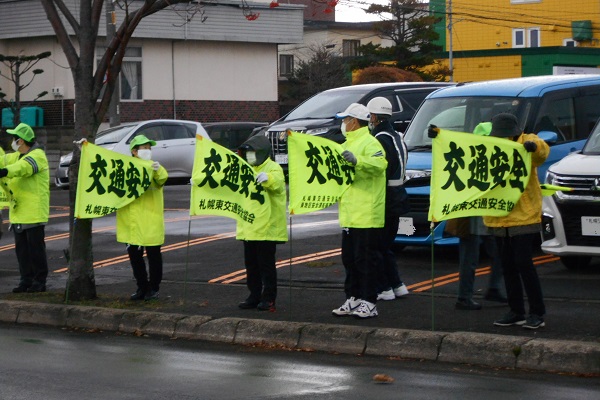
{"x":458,"y":347}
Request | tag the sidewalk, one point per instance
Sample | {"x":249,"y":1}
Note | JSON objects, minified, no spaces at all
{"x":420,"y":326}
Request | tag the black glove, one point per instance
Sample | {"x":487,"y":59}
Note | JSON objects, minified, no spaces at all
{"x":530,"y":146}
{"x":3,"y":172}
{"x":433,"y":131}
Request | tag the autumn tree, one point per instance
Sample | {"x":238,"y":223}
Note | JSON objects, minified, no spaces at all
{"x":18,"y":67}
{"x":90,"y":77}
{"x":383,"y":75}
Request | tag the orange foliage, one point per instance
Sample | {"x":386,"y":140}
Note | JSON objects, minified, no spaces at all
{"x":384,"y":74}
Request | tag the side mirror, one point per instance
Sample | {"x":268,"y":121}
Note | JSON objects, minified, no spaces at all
{"x":548,"y":136}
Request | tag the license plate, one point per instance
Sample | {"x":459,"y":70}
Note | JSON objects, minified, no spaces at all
{"x":406,"y":227}
{"x":281,"y":158}
{"x":590,"y":226}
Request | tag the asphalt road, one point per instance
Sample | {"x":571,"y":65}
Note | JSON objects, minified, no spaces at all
{"x":66,"y":364}
{"x":204,"y":274}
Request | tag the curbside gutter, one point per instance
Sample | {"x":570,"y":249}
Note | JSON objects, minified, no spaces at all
{"x":458,"y":347}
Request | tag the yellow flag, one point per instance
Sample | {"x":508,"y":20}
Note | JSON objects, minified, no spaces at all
{"x":108,"y":180}
{"x":319,"y":175}
{"x":4,"y":191}
{"x":224,"y":184}
{"x":476,"y":175}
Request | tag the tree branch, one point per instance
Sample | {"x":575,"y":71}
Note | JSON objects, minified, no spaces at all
{"x":61,"y":32}
{"x":72,"y":21}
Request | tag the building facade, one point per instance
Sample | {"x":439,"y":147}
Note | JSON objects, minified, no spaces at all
{"x":512,"y":38}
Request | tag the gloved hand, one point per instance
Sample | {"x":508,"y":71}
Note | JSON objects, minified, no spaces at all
{"x":155,"y":165}
{"x":262,"y":177}
{"x":348,"y":156}
{"x":433,"y":131}
{"x":3,"y":172}
{"x":530,"y":146}
{"x":79,"y":142}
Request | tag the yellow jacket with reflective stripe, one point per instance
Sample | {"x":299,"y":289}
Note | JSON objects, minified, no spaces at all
{"x":28,"y":182}
{"x":273,"y":228}
{"x":363,"y":204}
{"x":142,"y":222}
{"x":528,"y":209}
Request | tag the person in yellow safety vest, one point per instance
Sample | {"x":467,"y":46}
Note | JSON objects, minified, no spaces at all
{"x":26,"y":177}
{"x":261,"y":237}
{"x":361,"y":214}
{"x":141,"y":225}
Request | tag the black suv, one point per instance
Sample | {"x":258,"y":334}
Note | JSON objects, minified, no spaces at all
{"x":316,"y":116}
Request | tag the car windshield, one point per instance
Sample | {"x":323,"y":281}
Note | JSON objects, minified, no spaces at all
{"x":326,"y":104}
{"x":460,"y":114}
{"x":592,"y":146}
{"x":113,"y":135}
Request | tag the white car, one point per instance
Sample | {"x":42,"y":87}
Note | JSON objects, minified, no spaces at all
{"x":175,"y":145}
{"x":571,"y":219}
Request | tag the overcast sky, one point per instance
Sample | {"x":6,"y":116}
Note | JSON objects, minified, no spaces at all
{"x":352,"y":10}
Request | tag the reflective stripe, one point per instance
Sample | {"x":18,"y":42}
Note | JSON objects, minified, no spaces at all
{"x":33,"y":164}
{"x":395,"y":182}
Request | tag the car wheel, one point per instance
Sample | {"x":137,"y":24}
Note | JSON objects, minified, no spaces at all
{"x":576,"y":262}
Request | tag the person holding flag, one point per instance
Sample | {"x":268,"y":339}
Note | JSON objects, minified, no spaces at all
{"x":516,"y":232}
{"x":262,"y":235}
{"x":390,"y":285}
{"x":141,"y":226}
{"x":361,"y":214}
{"x":28,"y":182}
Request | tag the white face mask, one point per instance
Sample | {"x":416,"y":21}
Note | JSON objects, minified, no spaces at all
{"x":145,"y":154}
{"x":14,"y":145}
{"x":371,"y":126}
{"x":343,"y":128}
{"x":251,"y":157}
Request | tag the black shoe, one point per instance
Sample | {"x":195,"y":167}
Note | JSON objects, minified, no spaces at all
{"x":534,"y":321}
{"x":20,"y":289}
{"x":151,"y":295}
{"x":462,"y":304}
{"x":495,"y":295}
{"x":247,"y":304}
{"x":36,"y":289}
{"x":510,"y":319}
{"x":266,"y":306}
{"x":138,"y":295}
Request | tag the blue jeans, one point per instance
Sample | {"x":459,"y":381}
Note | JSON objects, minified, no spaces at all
{"x":469,"y":259}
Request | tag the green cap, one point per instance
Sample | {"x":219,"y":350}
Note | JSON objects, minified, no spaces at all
{"x":483,"y":129}
{"x":23,"y":131}
{"x":140,"y":140}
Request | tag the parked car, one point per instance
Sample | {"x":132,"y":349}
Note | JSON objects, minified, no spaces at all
{"x":175,"y":146}
{"x":316,"y":115}
{"x":560,"y":109}
{"x":571,"y":219}
{"x":232,"y":134}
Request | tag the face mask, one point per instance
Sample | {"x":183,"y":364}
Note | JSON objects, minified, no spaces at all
{"x":371,"y":126}
{"x":145,"y":154}
{"x":251,"y":157}
{"x":343,"y":128}
{"x":14,"y":145}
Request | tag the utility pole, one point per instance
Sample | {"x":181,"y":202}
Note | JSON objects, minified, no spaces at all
{"x":450,"y":61}
{"x":111,"y":28}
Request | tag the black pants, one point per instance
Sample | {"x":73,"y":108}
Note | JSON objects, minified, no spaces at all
{"x":155,"y":266}
{"x":388,"y":276}
{"x":261,"y":273}
{"x":362,"y":259}
{"x":519,"y":272}
{"x":31,"y":255}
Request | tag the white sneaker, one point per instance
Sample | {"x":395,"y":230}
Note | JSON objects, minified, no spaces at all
{"x":386,"y":295}
{"x":400,"y":291}
{"x":365,"y":310}
{"x":348,"y":307}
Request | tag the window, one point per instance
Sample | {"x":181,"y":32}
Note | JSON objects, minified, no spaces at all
{"x":350,"y":48}
{"x":526,"y":37}
{"x":130,"y":81}
{"x":569,"y":43}
{"x":286,"y":65}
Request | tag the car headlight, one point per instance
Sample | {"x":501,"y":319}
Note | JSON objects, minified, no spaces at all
{"x":418,"y":173}
{"x":66,"y":159}
{"x":317,"y":131}
{"x":550,"y":177}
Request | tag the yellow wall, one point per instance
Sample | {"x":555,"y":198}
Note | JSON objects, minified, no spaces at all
{"x":484,"y":68}
{"x":488,"y":24}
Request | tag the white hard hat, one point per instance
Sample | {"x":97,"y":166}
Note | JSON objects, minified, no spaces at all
{"x":355,"y":110}
{"x":380,"y":105}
